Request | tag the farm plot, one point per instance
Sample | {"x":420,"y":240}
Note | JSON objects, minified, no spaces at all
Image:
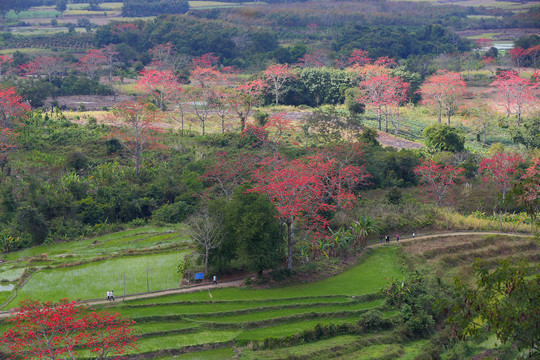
{"x":209,"y":325}
{"x":88,"y":268}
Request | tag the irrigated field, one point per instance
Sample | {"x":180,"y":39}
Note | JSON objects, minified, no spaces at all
{"x":315,"y":320}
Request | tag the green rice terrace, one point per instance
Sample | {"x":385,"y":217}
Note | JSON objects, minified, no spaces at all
{"x":345,"y":316}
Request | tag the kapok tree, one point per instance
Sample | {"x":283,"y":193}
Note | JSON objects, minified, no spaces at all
{"x":438,"y":180}
{"x":228,"y":172}
{"x":5,"y":61}
{"x":61,"y":330}
{"x":91,"y":62}
{"x":384,"y":94}
{"x":373,"y":91}
{"x":302,"y":190}
{"x":514,"y":91}
{"x":444,"y":90}
{"x":483,"y":117}
{"x":136,"y":129}
{"x":500,"y":170}
{"x":489,"y":64}
{"x":11,"y":106}
{"x":47,"y":65}
{"x":205,"y":83}
{"x":208,"y":61}
{"x":111,"y":54}
{"x":245,"y":97}
{"x":161,"y":85}
{"x":162,"y":57}
{"x":518,"y":54}
{"x":276,"y":76}
{"x":359,"y":57}
{"x":395,"y":95}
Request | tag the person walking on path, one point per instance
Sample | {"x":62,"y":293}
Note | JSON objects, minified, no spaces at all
{"x":112,"y":296}
{"x":380,"y":239}
{"x":387,"y":239}
{"x":397,"y":237}
{"x":215,"y":280}
{"x":108,"y":295}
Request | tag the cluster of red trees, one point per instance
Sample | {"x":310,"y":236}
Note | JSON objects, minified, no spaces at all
{"x":501,"y":170}
{"x":61,"y":330}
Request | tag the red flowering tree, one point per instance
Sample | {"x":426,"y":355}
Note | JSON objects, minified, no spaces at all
{"x":207,"y":60}
{"x":438,"y":180}
{"x":518,"y":54}
{"x":359,"y":57}
{"x":91,"y":62}
{"x":384,"y":94}
{"x":60,"y":331}
{"x":111,"y":54}
{"x":443,"y":90}
{"x":514,"y":91}
{"x":500,"y":170}
{"x":5,"y":61}
{"x":244,"y":98}
{"x":482,"y":43}
{"x":11,"y":106}
{"x":228,"y":172}
{"x":276,"y":76}
{"x":135,"y":128}
{"x":205,"y":83}
{"x":48,"y":65}
{"x":162,"y":57}
{"x":490,"y":64}
{"x":302,"y":190}
{"x":161,"y":85}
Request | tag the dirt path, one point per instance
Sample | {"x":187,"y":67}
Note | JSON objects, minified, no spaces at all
{"x":238,"y":282}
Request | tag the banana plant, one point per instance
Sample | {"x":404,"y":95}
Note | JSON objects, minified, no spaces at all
{"x":363,"y":228}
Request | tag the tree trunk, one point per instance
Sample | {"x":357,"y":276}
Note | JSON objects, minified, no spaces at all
{"x":206,"y":260}
{"x":440,"y":113}
{"x":290,"y":241}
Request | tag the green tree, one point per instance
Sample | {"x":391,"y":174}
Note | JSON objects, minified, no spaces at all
{"x":251,"y":220}
{"x":505,"y":301}
{"x":528,"y":134}
{"x":32,"y":222}
{"x":444,"y":138}
{"x":61,"y":5}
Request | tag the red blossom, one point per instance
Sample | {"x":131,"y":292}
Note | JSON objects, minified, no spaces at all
{"x":443,"y":90}
{"x":92,"y":61}
{"x":303,"y":189}
{"x":61,"y":330}
{"x":500,"y":170}
{"x":277,"y":75}
{"x":11,"y":106}
{"x":438,"y":180}
{"x":161,"y":85}
{"x":515,"y":91}
{"x":136,"y":129}
{"x":359,"y":57}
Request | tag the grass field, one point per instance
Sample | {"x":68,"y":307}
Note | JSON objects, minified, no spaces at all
{"x":244,"y":323}
{"x":88,"y":268}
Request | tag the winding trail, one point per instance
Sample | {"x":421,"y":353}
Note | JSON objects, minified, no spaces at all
{"x":239,"y":282}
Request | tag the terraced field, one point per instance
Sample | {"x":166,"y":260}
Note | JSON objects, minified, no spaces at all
{"x":254,"y":323}
{"x":146,"y":258}
{"x":452,"y":256}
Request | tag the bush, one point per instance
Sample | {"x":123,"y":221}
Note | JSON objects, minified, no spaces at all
{"x":172,"y":213}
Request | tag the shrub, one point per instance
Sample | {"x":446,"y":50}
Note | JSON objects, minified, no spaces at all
{"x":172,"y":213}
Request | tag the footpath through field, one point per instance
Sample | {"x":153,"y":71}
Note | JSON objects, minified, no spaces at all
{"x":239,"y":282}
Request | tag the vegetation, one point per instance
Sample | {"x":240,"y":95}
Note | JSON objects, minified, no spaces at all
{"x":278,"y":145}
